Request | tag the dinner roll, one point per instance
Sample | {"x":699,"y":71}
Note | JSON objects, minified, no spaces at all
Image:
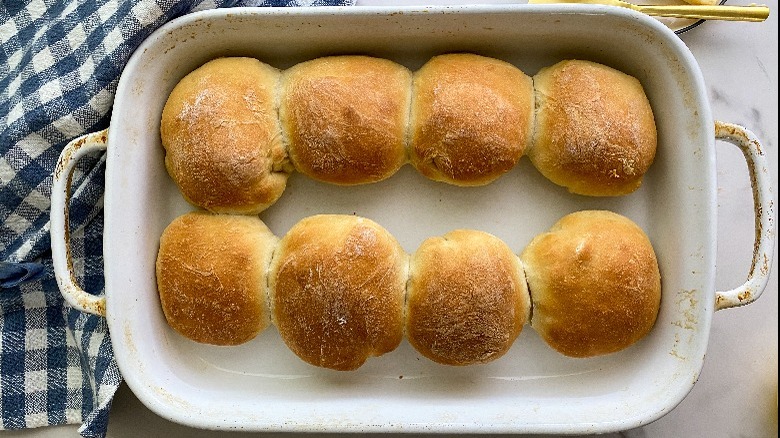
{"x":471,"y":118}
{"x":467,"y":299}
{"x":594,"y":283}
{"x":345,"y":118}
{"x":222,"y":138}
{"x":595,"y":132}
{"x":337,"y":290}
{"x":211,"y":276}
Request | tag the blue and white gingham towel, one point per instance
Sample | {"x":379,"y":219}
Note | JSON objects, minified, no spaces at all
{"x":59,"y":66}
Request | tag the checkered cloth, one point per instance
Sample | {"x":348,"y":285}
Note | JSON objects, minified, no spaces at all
{"x":59,"y":66}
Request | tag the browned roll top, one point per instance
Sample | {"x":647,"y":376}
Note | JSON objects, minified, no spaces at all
{"x":467,"y":299}
{"x":471,"y":118}
{"x":337,"y":290}
{"x":211,"y":277}
{"x":221,"y":134}
{"x":594,"y":282}
{"x":595,"y":131}
{"x":345,"y":118}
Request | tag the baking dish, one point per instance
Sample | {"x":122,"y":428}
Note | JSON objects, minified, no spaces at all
{"x":262,"y":386}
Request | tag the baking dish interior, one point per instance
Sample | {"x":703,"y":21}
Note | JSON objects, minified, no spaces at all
{"x":261,"y":385}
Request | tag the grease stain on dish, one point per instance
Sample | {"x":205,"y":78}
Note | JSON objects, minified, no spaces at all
{"x":674,"y":351}
{"x":686,"y":305}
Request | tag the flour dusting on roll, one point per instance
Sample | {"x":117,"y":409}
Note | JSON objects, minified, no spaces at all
{"x":222,"y":137}
{"x":211,"y":277}
{"x":595,"y":132}
{"x":337,"y":290}
{"x":471,"y":118}
{"x":467,"y":298}
{"x":345,"y":118}
{"x":594,"y":283}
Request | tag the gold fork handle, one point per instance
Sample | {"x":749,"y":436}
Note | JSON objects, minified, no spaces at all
{"x":732,"y":13}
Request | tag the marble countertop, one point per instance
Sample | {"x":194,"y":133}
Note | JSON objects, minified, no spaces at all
{"x":736,"y":394}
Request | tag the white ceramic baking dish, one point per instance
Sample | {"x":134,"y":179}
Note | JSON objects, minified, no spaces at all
{"x":262,"y":386}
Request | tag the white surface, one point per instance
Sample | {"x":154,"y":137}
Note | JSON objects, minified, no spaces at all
{"x":737,"y":390}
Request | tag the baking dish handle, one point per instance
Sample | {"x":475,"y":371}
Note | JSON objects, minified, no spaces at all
{"x":60,"y":226}
{"x":763,"y":203}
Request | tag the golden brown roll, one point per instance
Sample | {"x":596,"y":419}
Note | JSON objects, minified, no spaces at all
{"x":345,"y":118}
{"x":467,"y":299}
{"x":211,"y":276}
{"x":222,"y":137}
{"x":337,"y":290}
{"x":595,"y":131}
{"x":594,"y":283}
{"x":471,"y":118}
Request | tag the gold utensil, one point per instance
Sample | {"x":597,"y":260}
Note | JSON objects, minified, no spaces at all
{"x":701,"y":12}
